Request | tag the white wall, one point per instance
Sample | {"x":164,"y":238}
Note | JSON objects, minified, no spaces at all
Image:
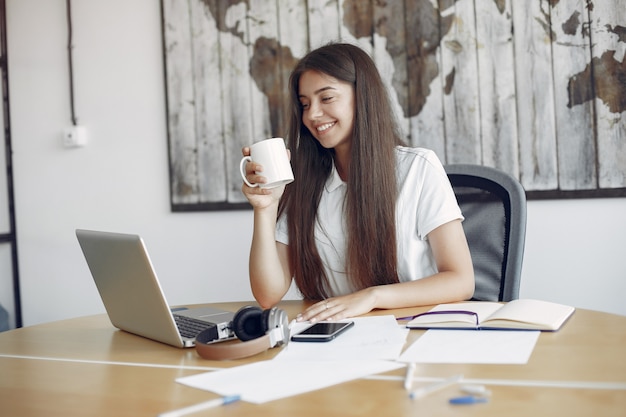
{"x":119,"y":181}
{"x":576,"y":253}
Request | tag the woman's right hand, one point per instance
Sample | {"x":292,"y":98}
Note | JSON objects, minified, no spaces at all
{"x":259,"y":197}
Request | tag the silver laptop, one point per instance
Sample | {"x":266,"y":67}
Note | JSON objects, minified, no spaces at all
{"x":132,"y":295}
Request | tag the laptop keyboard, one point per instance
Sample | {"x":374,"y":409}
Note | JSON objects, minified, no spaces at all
{"x":190,"y":327}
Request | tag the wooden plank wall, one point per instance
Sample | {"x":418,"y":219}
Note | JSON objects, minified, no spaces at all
{"x":536,"y":88}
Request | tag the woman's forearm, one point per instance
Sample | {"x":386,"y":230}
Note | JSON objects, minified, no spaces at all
{"x":268,"y":268}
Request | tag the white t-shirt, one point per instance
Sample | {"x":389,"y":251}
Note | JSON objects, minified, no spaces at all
{"x":425,"y":201}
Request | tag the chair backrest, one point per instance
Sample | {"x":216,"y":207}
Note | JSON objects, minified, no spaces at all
{"x":494,"y":206}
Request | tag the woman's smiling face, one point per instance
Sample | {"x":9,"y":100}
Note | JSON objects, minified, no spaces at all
{"x":327,"y":109}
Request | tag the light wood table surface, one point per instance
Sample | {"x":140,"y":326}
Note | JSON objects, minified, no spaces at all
{"x":86,"y":367}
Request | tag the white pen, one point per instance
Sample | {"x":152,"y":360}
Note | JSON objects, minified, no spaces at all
{"x":408,"y":378}
{"x":201,"y":406}
{"x":421,"y":392}
{"x":475,"y":390}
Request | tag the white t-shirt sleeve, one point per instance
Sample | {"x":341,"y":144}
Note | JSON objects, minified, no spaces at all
{"x":438,"y":203}
{"x":435,"y":203}
{"x":281,"y":235}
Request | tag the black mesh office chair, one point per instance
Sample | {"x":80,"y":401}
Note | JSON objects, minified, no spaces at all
{"x":494,"y":206}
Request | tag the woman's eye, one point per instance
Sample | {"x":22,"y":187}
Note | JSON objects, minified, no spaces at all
{"x":304,"y":106}
{"x":326,"y":99}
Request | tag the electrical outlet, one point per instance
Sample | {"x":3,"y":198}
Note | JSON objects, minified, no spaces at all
{"x":74,"y":136}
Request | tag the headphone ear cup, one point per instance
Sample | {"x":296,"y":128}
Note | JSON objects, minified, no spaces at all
{"x":248,"y":323}
{"x":273,"y":319}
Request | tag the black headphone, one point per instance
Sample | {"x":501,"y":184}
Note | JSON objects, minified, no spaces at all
{"x":257,"y":330}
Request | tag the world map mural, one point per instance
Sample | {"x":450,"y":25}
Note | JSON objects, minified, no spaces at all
{"x":533,"y":88}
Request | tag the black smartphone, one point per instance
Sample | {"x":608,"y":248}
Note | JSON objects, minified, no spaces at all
{"x":324,"y":331}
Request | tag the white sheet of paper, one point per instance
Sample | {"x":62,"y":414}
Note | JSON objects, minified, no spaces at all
{"x":472,"y":346}
{"x":264,"y":381}
{"x":371,"y":338}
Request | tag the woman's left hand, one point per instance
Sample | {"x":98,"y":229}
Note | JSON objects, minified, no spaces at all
{"x":339,"y":308}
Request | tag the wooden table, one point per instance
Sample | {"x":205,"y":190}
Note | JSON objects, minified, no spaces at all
{"x":86,"y":367}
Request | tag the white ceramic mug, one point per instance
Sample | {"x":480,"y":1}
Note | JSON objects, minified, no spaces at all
{"x":272,"y":155}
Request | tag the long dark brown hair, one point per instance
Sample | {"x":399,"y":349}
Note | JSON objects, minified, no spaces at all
{"x":371,"y":183}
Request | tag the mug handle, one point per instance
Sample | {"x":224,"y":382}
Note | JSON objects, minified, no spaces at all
{"x":242,"y":171}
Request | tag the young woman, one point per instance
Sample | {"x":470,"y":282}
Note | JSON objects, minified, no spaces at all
{"x":367,"y":223}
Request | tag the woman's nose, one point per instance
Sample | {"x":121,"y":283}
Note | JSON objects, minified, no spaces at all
{"x":315,"y":111}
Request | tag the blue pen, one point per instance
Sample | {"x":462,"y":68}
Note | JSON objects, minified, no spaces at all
{"x":468,"y":399}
